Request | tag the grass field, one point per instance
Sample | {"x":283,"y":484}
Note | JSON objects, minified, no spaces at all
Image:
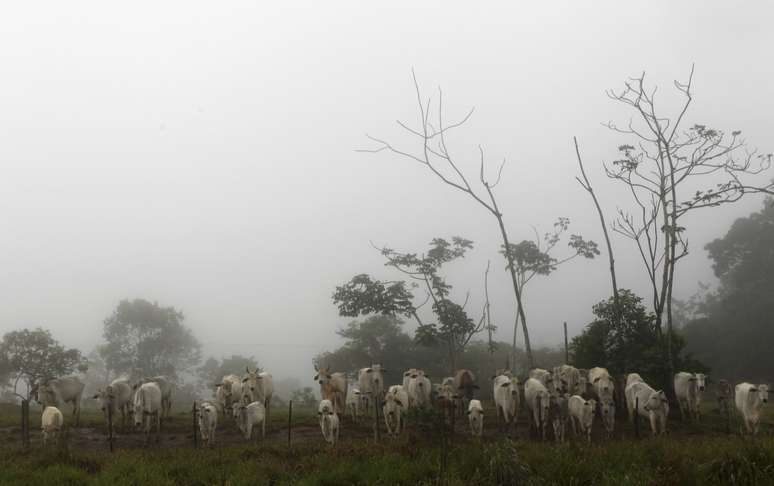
{"x":691,"y":454}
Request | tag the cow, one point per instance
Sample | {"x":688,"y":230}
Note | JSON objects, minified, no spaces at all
{"x":545,"y":377}
{"x":464,"y":387}
{"x":446,"y":396}
{"x":581,"y":412}
{"x":333,"y":387}
{"x":649,"y":403}
{"x":602,"y":384}
{"x":607,"y":413}
{"x":407,"y":376}
{"x":166,"y":386}
{"x":208,"y":421}
{"x":749,"y":400}
{"x":476,"y":418}
{"x":570,"y":380}
{"x":557,"y":415}
{"x":632,"y":378}
{"x":67,"y":389}
{"x":248,"y":416}
{"x":536,"y":397}
{"x":228,"y":393}
{"x":688,"y":390}
{"x":353,"y":402}
{"x":395,"y":404}
{"x":419,"y":390}
{"x":507,"y":398}
{"x":51,"y":423}
{"x":258,"y":386}
{"x":147,"y":408}
{"x":724,"y":395}
{"x":371,"y":383}
{"x":329,"y":421}
{"x":116,"y":397}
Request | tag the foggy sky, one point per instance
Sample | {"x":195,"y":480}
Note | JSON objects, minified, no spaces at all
{"x":203,"y":156}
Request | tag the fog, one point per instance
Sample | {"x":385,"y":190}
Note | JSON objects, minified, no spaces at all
{"x":205,"y":157}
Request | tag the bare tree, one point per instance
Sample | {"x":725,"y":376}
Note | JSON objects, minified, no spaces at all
{"x":671,"y":170}
{"x":434,"y":155}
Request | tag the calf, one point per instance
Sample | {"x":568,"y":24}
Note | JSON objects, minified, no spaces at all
{"x":536,"y":397}
{"x":419,"y":390}
{"x":352,"y":402}
{"x":67,"y":389}
{"x":51,"y":423}
{"x":581,"y":412}
{"x":602,"y":384}
{"x":395,"y":404}
{"x":749,"y":400}
{"x":507,"y":399}
{"x":208,"y":421}
{"x":688,"y":389}
{"x":329,"y":421}
{"x":147,"y":408}
{"x":649,"y":403}
{"x":570,"y":379}
{"x":229,"y":394}
{"x":476,"y":418}
{"x":248,"y":416}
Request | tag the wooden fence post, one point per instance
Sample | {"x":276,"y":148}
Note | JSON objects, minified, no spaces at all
{"x":453,"y":418}
{"x":376,"y":418}
{"x":110,"y":423}
{"x":25,"y":412}
{"x":290,"y":421}
{"x":195,"y":426}
{"x":637,"y":417}
{"x":566,"y":347}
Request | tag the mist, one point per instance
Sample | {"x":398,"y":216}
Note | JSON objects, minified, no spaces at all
{"x":207,"y":158}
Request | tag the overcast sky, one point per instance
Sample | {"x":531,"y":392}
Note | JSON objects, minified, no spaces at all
{"x":201,"y":154}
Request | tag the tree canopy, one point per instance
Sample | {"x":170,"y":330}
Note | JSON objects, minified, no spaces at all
{"x":143,"y":337}
{"x":32,"y":355}
{"x":733,"y":328}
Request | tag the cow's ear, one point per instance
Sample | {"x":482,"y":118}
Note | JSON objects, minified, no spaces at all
{"x":369,"y":370}
{"x":244,"y":380}
{"x":399,"y":402}
{"x":753,"y":389}
{"x":95,"y":396}
{"x":316,"y":377}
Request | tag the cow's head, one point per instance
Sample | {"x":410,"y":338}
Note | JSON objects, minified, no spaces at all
{"x":763,"y":393}
{"x":701,"y":381}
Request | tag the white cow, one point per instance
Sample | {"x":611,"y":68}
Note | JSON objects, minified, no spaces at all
{"x":602,"y":384}
{"x":581,"y":412}
{"x":258,"y":386}
{"x":116,"y":397}
{"x":650,"y":403}
{"x":147,"y":408}
{"x":476,"y":418}
{"x":507,"y":398}
{"x":166,"y":385}
{"x":333,"y":387}
{"x":329,"y":421}
{"x":371,"y":383}
{"x":67,"y":389}
{"x":407,"y":376}
{"x":229,"y":393}
{"x":536,"y":397}
{"x":632,"y":378}
{"x":419,"y":390}
{"x":248,"y":416}
{"x":545,"y":377}
{"x":570,"y":379}
{"x":51,"y":423}
{"x":749,"y":400}
{"x":395,"y":405}
{"x":688,"y":389}
{"x":208,"y":421}
{"x":353,"y":402}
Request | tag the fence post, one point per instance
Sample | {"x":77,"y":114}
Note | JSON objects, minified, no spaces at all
{"x":637,"y":417}
{"x":290,"y":421}
{"x":376,"y":418}
{"x":453,"y":419}
{"x":566,"y":348}
{"x":195,"y":427}
{"x":25,"y":412}
{"x":540,"y":417}
{"x":110,"y":423}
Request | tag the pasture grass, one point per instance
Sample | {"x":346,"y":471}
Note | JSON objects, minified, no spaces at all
{"x":693,"y":454}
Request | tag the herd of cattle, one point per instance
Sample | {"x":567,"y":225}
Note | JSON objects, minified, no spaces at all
{"x":551,"y":399}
